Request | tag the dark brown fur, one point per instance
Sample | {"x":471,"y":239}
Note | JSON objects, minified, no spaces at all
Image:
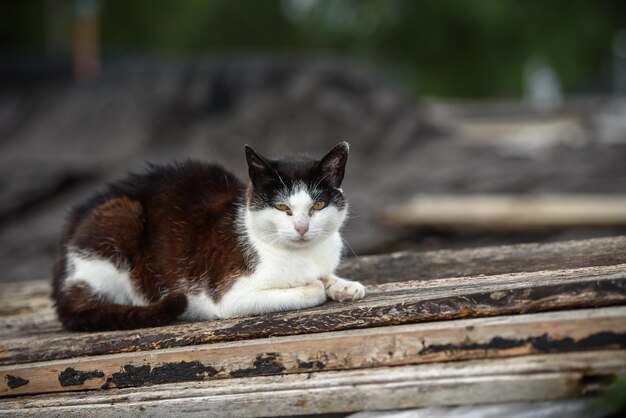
{"x":175,"y":222}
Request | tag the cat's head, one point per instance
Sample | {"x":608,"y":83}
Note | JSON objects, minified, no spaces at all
{"x":296,"y":202}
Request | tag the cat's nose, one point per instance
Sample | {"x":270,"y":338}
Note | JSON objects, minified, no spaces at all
{"x":301,"y":227}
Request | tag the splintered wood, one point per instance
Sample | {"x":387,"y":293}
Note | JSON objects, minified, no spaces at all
{"x":518,"y":323}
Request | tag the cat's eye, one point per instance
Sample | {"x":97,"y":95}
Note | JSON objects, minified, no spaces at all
{"x":281,"y":207}
{"x":319,"y":205}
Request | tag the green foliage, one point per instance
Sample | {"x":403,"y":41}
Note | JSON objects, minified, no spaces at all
{"x":439,"y":47}
{"x":614,"y":400}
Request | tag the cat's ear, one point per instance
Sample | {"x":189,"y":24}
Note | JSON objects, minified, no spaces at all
{"x":333,"y":165}
{"x":259,"y":169}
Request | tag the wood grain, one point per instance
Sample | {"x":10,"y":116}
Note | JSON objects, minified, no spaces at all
{"x":344,"y":350}
{"x":25,"y":297}
{"x":389,"y":304}
{"x":527,"y":378}
{"x":403,"y":266}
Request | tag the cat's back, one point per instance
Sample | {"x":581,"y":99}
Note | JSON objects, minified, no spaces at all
{"x":185,"y":186}
{"x":161,"y":211}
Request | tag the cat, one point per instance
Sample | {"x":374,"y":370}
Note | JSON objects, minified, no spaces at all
{"x":193,"y":242}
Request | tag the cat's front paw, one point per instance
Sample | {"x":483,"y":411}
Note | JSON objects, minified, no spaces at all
{"x":315,"y":292}
{"x":343,"y":290}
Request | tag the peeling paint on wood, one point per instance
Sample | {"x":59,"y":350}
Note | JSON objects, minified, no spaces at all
{"x":590,"y":329}
{"x":387,"y":328}
{"x":168,"y":373}
{"x":312,"y":365}
{"x":521,"y":379}
{"x":71,"y":377}
{"x":14,"y":382}
{"x":264,"y":364}
{"x":542,"y":344}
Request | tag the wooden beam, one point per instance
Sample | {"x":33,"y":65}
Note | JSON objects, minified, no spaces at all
{"x":25,"y":297}
{"x":509,"y":212}
{"x":387,"y":346}
{"x":389,"y":304}
{"x":403,"y":266}
{"x":527,"y":378}
{"x":33,"y":296}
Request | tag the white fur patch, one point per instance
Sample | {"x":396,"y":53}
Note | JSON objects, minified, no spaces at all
{"x":247,"y":298}
{"x":200,"y":307}
{"x":103,"y":278}
{"x":288,"y":270}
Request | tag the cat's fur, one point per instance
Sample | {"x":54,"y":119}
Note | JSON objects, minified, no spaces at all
{"x":191,"y":241}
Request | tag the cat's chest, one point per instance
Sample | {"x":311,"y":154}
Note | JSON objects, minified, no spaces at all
{"x":297,"y":268}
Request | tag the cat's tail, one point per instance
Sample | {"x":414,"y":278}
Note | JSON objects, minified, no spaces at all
{"x":78,"y":310}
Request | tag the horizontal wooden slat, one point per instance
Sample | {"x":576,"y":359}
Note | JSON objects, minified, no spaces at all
{"x":509,"y":211}
{"x":35,"y":325}
{"x":527,"y":378}
{"x":403,"y":266}
{"x":25,"y":297}
{"x":32,"y":296}
{"x":393,"y":304}
{"x":386,"y":346}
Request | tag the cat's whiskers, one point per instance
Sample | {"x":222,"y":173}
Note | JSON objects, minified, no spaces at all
{"x":350,"y":246}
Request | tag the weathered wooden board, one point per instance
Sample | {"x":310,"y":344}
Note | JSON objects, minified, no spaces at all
{"x":25,"y":297}
{"x":32,"y":296}
{"x":344,"y":350}
{"x":403,"y":266}
{"x":31,"y":325}
{"x":28,"y":310}
{"x":388,"y":304}
{"x":509,"y":211}
{"x":527,"y":378}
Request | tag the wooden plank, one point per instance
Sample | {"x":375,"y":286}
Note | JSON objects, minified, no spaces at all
{"x":510,"y":212}
{"x":387,"y":346}
{"x":25,"y":297}
{"x":403,"y":266}
{"x":34,"y":325}
{"x":32,"y":296}
{"x":569,"y":408}
{"x":389,"y":304}
{"x":38,"y":319}
{"x":527,"y":378}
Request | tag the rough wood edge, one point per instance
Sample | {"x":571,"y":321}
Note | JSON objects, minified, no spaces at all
{"x":527,"y":378}
{"x":387,"y":346}
{"x":535,"y":292}
{"x":15,"y":298}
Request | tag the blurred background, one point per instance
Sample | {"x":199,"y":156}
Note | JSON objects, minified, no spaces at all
{"x":471,"y":122}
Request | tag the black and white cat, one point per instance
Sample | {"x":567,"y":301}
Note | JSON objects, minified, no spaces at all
{"x":191,"y":241}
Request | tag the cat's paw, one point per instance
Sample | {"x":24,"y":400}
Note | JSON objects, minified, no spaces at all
{"x":343,"y":290}
{"x":315,"y":292}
